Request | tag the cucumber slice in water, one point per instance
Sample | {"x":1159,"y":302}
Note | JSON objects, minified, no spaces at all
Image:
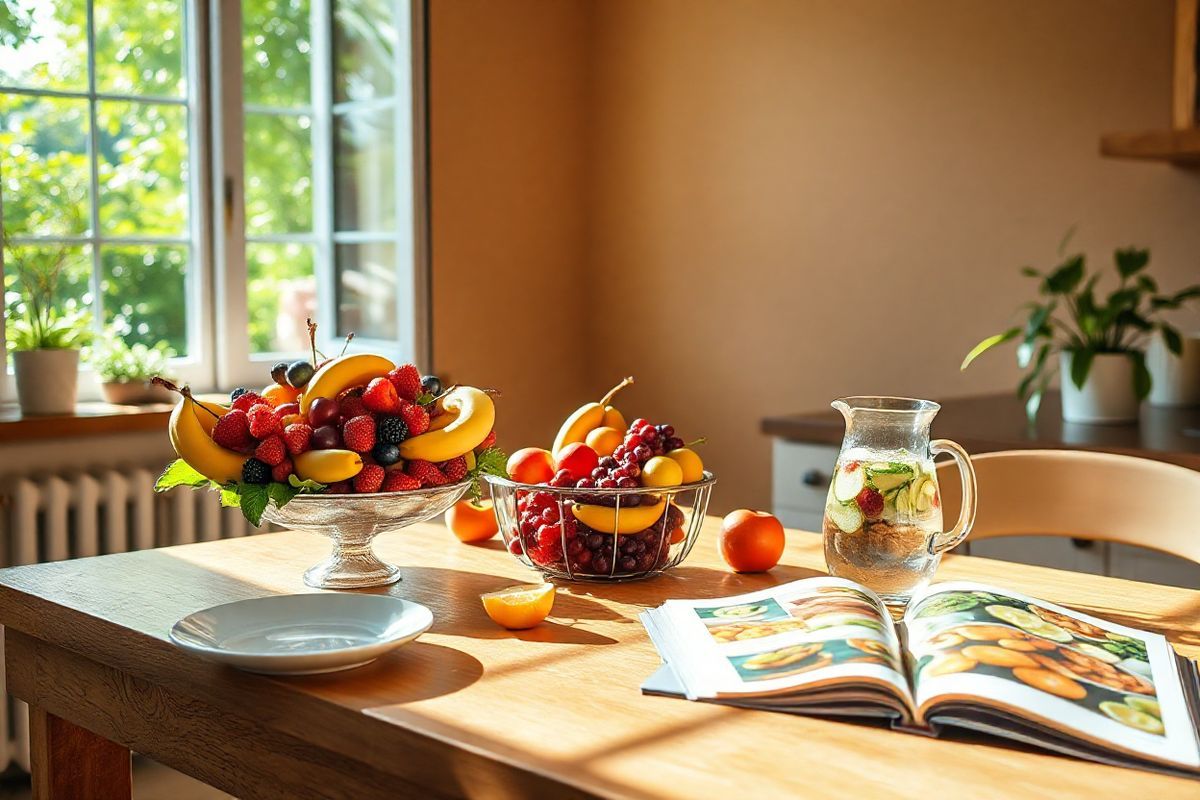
{"x":848,"y":482}
{"x":847,"y":517}
{"x":884,"y":480}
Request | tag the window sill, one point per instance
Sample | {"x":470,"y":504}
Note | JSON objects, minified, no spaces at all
{"x":89,"y":419}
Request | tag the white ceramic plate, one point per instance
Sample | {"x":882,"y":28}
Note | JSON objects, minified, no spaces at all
{"x":302,"y":634}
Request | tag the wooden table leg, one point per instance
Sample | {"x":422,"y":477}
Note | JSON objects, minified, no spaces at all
{"x":72,"y":763}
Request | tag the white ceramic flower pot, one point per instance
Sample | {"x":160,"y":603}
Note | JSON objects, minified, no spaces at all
{"x":1107,"y":394}
{"x":46,"y":381}
{"x":1176,"y":379}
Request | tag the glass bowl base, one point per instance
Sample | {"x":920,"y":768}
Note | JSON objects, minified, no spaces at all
{"x":359,"y":573}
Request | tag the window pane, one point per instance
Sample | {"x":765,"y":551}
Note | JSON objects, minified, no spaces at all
{"x":145,"y":293}
{"x":278,"y":174}
{"x":275,"y":52}
{"x":364,"y":171}
{"x":139,"y":48}
{"x":43,"y":44}
{"x":364,"y":48}
{"x":366,"y":281}
{"x":65,"y":268}
{"x":143,"y":169}
{"x":281,"y":295}
{"x":44,"y":165}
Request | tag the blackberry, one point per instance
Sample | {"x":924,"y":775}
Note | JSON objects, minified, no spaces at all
{"x":391,"y":430}
{"x":238,"y":392}
{"x":385,"y":453}
{"x":255,"y":471}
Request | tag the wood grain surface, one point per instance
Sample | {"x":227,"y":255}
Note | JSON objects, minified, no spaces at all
{"x":471,"y":710}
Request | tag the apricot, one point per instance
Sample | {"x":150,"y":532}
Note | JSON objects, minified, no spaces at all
{"x":604,"y":440}
{"x":472,"y":522}
{"x":531,"y":465}
{"x":278,"y":395}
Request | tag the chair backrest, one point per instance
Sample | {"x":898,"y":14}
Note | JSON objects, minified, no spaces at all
{"x":1083,"y":495}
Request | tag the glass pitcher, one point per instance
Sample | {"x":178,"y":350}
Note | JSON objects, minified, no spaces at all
{"x":883,"y":514}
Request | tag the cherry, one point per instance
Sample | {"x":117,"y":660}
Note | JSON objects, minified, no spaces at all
{"x":323,"y":411}
{"x":326,"y":437}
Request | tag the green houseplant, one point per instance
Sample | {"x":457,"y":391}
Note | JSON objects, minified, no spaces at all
{"x":45,"y":335}
{"x":1100,"y":338}
{"x":125,"y":370}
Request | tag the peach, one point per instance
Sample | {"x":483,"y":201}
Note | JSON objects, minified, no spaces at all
{"x":472,"y":522}
{"x":751,"y":541}
{"x":531,"y":465}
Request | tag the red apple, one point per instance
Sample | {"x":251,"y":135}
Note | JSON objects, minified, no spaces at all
{"x":578,"y":459}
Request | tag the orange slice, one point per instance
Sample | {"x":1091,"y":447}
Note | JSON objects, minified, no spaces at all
{"x":519,"y":607}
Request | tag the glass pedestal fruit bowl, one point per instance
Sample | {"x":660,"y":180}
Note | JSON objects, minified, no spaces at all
{"x":352,"y":521}
{"x":600,"y":534}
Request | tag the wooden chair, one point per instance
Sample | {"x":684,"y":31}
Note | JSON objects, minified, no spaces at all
{"x":1083,"y":495}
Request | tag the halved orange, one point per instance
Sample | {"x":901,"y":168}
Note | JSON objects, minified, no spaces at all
{"x":519,"y":607}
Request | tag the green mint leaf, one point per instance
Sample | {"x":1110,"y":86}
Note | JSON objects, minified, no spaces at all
{"x":281,"y":493}
{"x":306,"y":486}
{"x":230,"y":498}
{"x":254,"y":498}
{"x":491,"y":461}
{"x":425,"y":398}
{"x":179,"y":473}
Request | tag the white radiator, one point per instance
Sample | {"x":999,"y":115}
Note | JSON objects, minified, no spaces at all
{"x":77,"y":515}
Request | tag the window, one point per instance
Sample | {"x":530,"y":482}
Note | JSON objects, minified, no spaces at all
{"x":216,"y":202}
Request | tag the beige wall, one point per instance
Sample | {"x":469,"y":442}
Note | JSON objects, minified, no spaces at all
{"x":783,"y":201}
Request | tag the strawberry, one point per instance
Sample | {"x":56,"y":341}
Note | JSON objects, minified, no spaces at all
{"x":280,"y":471}
{"x":426,"y":472}
{"x":455,"y":469}
{"x":351,"y":406}
{"x":271,"y":451}
{"x":407,"y":381}
{"x":397,"y":481}
{"x":341,"y":487}
{"x":297,"y":437}
{"x":417,"y":419}
{"x":369,"y":479}
{"x":489,"y":441}
{"x":232,"y":430}
{"x":247,"y":400}
{"x":359,"y":434}
{"x":263,"y":421}
{"x":381,"y":396}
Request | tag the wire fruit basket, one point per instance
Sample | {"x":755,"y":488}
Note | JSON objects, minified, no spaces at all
{"x":600,"y":534}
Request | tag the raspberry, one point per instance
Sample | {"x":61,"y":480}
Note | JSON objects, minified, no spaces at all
{"x":407,"y":381}
{"x":232,"y":431}
{"x":397,"y":481}
{"x":490,"y":441}
{"x":246,"y":400}
{"x":270,"y":451}
{"x":297,"y":437}
{"x":455,"y":469}
{"x":255,"y":471}
{"x":359,"y":434}
{"x":369,"y":479}
{"x":263,"y":421}
{"x":392,"y":430}
{"x":280,"y":471}
{"x":341,"y":487}
{"x":870,"y":501}
{"x":425,"y":472}
{"x":381,"y":396}
{"x":417,"y":419}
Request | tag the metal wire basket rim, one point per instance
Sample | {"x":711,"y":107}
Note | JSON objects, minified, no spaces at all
{"x":427,"y":491}
{"x":708,"y":480}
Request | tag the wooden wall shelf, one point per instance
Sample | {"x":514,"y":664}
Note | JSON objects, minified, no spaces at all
{"x":1180,"y":147}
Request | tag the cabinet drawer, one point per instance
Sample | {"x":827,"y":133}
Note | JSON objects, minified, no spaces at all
{"x":800,"y":474}
{"x":805,"y":520}
{"x":1045,"y":551}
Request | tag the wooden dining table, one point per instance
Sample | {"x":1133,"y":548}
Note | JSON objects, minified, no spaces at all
{"x":471,"y":710}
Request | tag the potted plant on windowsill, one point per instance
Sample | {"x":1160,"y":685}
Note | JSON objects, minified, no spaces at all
{"x":125,"y":370}
{"x":45,"y":340}
{"x":1100,"y":344}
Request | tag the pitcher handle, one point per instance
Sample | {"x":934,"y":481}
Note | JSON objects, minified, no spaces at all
{"x":966,"y":516}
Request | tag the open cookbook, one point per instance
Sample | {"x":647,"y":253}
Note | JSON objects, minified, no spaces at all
{"x":964,"y":655}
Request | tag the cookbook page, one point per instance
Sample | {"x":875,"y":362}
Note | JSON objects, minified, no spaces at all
{"x":808,"y":633}
{"x":1102,"y":682}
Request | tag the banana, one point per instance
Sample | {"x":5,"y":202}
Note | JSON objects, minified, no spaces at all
{"x":586,"y":417}
{"x":632,"y":519}
{"x":194,"y":445}
{"x":474,"y":416}
{"x":208,"y":421}
{"x":328,"y":466}
{"x":342,"y":373}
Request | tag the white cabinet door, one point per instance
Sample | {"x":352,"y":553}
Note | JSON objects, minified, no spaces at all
{"x":801,"y":474}
{"x":801,"y":520}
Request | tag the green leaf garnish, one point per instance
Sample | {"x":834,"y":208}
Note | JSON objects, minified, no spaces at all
{"x":180,"y":473}
{"x":491,"y":461}
{"x":306,"y":486}
{"x":253,"y":499}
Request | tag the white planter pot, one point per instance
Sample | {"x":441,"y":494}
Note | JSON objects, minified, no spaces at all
{"x":1107,"y":394}
{"x":1176,"y":378}
{"x":46,"y":381}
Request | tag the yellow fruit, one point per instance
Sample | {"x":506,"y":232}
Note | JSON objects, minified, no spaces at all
{"x":613,"y":419}
{"x":585,"y":418}
{"x":441,"y":420}
{"x":519,"y":607}
{"x":342,"y":373}
{"x":633,"y":519}
{"x":328,"y":466}
{"x":194,"y":445}
{"x":277,"y":394}
{"x":661,"y":471}
{"x":604,"y":440}
{"x":689,"y":461}
{"x":474,"y":417}
{"x":208,"y":421}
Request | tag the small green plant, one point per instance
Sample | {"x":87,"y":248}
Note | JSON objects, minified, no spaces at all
{"x":1070,"y":315}
{"x":114,"y":361}
{"x":34,"y":321}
